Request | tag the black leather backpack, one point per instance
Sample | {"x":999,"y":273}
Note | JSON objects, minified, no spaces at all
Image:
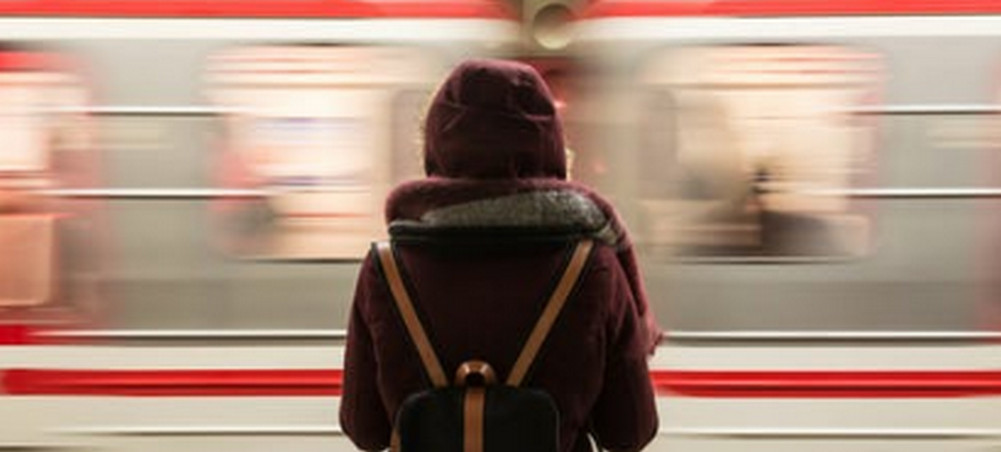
{"x":476,"y":413}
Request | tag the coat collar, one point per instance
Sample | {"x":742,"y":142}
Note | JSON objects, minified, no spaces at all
{"x":530,"y":205}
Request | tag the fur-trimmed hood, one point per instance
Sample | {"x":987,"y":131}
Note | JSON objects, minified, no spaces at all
{"x":528,"y":204}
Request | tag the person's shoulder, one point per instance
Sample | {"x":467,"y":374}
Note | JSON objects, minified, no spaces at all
{"x":603,"y":263}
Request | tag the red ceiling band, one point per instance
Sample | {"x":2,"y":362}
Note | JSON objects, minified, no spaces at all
{"x":328,"y":382}
{"x":258,"y":8}
{"x":763,"y":8}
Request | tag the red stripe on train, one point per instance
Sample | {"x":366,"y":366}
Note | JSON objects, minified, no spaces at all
{"x":172,"y":382}
{"x":16,"y":335}
{"x":328,"y":382}
{"x":258,"y":8}
{"x":829,"y":384}
{"x":762,"y":8}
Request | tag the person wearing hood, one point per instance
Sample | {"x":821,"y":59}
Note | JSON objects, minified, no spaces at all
{"x":496,"y":172}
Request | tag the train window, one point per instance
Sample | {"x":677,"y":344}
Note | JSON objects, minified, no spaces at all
{"x":755,"y":149}
{"x":312,"y":126}
{"x":39,"y":116}
{"x":46,"y":262}
{"x":24,"y":134}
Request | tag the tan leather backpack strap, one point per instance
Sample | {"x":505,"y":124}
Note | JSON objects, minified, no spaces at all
{"x":473,"y":413}
{"x":406,"y":307}
{"x":549,"y":314}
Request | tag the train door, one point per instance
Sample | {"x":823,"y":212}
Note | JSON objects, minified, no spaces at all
{"x":312,"y":128}
{"x":48,"y":262}
{"x":760,"y":147}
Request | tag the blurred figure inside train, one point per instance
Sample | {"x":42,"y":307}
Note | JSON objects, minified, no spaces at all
{"x":481,"y":240}
{"x":759,"y":144}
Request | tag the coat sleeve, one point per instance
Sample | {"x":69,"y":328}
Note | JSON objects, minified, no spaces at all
{"x":616,"y":234}
{"x":648,"y":321}
{"x":624,"y":417}
{"x":363,"y":416}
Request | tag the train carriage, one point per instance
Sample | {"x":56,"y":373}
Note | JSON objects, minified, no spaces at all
{"x":809,"y":183}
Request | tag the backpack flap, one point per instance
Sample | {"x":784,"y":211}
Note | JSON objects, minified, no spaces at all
{"x":513,"y":419}
{"x":492,"y":417}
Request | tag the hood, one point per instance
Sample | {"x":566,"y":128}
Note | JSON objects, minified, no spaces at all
{"x":493,"y":119}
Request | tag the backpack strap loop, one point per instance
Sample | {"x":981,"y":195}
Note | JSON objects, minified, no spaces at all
{"x":552,"y":310}
{"x":475,"y":367}
{"x":409,"y":314}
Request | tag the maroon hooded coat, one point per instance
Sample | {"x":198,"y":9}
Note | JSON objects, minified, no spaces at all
{"x":481,"y":243}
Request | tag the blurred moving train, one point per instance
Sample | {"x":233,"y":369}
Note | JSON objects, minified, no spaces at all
{"x":187,"y":188}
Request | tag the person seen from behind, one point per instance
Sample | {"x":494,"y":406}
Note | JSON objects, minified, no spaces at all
{"x":496,"y":171}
